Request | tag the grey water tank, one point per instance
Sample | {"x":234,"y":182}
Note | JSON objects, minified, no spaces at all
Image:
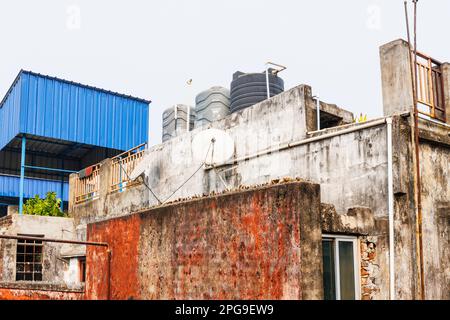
{"x":248,"y":89}
{"x":212,"y":105}
{"x":176,"y":122}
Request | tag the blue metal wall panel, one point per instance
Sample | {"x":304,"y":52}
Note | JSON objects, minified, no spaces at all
{"x":66,"y":111}
{"x":10,"y":115}
{"x":9,"y":187}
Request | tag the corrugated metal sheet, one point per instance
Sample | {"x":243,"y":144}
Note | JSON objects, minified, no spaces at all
{"x":9,"y":187}
{"x":9,"y":114}
{"x":54,"y":108}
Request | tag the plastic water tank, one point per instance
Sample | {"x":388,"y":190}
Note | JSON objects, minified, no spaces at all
{"x":175,"y":121}
{"x":212,"y":105}
{"x":248,"y":89}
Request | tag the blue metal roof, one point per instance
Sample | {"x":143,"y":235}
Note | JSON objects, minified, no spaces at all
{"x":54,"y":108}
{"x":9,"y":187}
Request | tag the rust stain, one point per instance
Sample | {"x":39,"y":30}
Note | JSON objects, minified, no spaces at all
{"x":21,"y":294}
{"x":122,"y":235}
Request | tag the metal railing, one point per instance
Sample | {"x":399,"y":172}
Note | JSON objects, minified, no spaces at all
{"x":430,"y":87}
{"x":122,"y":166}
{"x":87,"y":189}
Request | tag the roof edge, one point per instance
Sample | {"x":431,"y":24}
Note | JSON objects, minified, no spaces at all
{"x":22,"y":71}
{"x":10,"y":89}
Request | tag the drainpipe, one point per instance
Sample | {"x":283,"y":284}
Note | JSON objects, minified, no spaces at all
{"x":391,"y":211}
{"x":317,"y":111}
{"x":267,"y":81}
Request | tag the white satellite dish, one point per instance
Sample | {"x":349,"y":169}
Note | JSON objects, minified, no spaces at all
{"x":140,"y":167}
{"x":221,"y":151}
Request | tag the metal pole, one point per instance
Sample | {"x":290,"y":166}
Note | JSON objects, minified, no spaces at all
{"x":391,"y":211}
{"x":22,"y":173}
{"x":267,"y":81}
{"x":417,"y":150}
{"x":62,"y":186}
{"x":86,"y":243}
{"x":50,"y":169}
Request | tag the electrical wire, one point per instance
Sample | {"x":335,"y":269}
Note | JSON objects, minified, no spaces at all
{"x":201,"y":166}
{"x":143,"y":181}
{"x":181,"y":186}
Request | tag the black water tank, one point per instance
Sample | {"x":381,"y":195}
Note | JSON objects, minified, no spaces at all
{"x":248,"y":89}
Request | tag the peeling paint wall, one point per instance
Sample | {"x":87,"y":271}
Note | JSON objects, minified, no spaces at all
{"x":256,"y":244}
{"x":14,"y":291}
{"x":435,"y":168}
{"x":123,"y":236}
{"x":54,"y":267}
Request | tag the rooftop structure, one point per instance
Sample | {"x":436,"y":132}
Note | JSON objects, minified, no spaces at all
{"x":52,"y":127}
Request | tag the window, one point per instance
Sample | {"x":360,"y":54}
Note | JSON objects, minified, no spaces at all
{"x":29,"y":260}
{"x":82,"y":264}
{"x":340,"y":268}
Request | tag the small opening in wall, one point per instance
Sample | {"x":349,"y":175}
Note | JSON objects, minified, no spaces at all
{"x":82,"y":264}
{"x":29,"y":257}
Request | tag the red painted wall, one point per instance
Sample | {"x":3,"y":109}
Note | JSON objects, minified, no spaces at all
{"x":21,"y":294}
{"x":256,"y":244}
{"x":123,"y":237}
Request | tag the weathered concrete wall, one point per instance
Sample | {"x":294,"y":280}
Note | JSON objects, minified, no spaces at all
{"x":435,"y":173}
{"x":359,"y":156}
{"x":108,"y":205}
{"x":254,"y":244}
{"x":396,"y":77}
{"x":17,"y":291}
{"x":281,"y":119}
{"x":50,"y":227}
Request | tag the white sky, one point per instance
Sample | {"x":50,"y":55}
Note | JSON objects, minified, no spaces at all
{"x":151,"y":48}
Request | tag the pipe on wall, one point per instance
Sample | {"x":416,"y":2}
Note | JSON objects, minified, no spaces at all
{"x":391,"y":210}
{"x":290,"y":145}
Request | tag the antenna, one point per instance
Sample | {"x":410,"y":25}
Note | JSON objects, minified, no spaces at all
{"x":419,"y":226}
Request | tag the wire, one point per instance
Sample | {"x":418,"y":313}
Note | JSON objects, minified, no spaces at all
{"x":181,"y":186}
{"x":201,"y":166}
{"x":143,"y":181}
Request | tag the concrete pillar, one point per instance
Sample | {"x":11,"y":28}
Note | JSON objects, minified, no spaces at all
{"x":396,"y":78}
{"x":446,"y":77}
{"x":72,"y":179}
{"x":12,"y":210}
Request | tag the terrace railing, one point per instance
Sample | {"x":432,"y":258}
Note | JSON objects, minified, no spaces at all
{"x":87,"y":188}
{"x":122,"y":166}
{"x":430,"y":87}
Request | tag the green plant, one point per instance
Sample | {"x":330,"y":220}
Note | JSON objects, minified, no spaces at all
{"x":49,"y":206}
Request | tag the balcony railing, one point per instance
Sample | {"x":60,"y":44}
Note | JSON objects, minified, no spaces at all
{"x":430,"y":88}
{"x":87,"y":188}
{"x":122,"y":166}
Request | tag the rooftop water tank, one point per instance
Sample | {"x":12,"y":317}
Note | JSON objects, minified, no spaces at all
{"x":175,"y":121}
{"x":212,"y":105}
{"x":248,"y":89}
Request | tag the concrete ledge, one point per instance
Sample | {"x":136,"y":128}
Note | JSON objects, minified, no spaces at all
{"x":40,"y":286}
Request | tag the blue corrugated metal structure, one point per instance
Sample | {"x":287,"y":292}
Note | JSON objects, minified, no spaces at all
{"x":67,"y":126}
{"x":9,"y":187}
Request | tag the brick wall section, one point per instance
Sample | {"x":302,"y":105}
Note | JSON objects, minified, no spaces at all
{"x":15,"y":294}
{"x":37,"y":291}
{"x":256,"y":244}
{"x":370,"y":270}
{"x":123,"y":237}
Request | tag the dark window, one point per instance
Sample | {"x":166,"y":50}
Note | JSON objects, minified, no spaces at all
{"x":340,"y":268}
{"x":82,"y":262}
{"x":328,"y":270}
{"x":29,"y":260}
